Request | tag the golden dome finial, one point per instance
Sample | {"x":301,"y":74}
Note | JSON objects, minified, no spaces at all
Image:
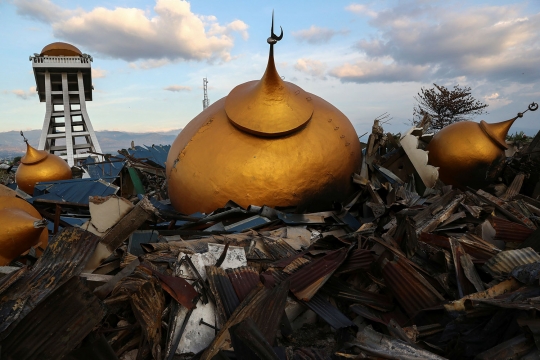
{"x":32,"y":155}
{"x":269,"y":107}
{"x":498,"y":131}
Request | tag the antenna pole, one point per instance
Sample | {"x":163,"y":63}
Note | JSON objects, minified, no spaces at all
{"x":205,"y":99}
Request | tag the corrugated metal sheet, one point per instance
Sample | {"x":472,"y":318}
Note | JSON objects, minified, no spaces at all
{"x":308,"y":280}
{"x":386,"y":347}
{"x":103,"y":169}
{"x":296,"y":265}
{"x":74,"y":190}
{"x":265,"y":306}
{"x":243,"y":279}
{"x":510,"y":231}
{"x":64,"y":258}
{"x":218,"y":279}
{"x":156,"y":154}
{"x":309,"y":354}
{"x":339,"y":289}
{"x":55,"y":326}
{"x":410,"y":289}
{"x":328,"y":312}
{"x":249,"y":343}
{"x":279,"y":248}
{"x":357,"y":259}
{"x":505,"y":261}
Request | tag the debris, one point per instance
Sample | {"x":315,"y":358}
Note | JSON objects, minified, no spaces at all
{"x":407,"y":268}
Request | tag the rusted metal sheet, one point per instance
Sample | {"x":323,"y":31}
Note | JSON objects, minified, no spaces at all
{"x":148,"y":304}
{"x":296,"y":265}
{"x":222,"y":287}
{"x":308,"y":280}
{"x":265,"y":306}
{"x":357,"y":259}
{"x":178,"y":288}
{"x":11,"y":278}
{"x":506,"y":209}
{"x":249,"y":343}
{"x":56,"y":326}
{"x":514,"y":187}
{"x":339,"y":289}
{"x":64,"y":258}
{"x":411,"y":290}
{"x":243,"y":279}
{"x":328,"y":312}
{"x":386,"y":347}
{"x":511,"y":349}
{"x":279,"y":248}
{"x":509,"y":231}
{"x":464,"y":285}
{"x":504,"y":262}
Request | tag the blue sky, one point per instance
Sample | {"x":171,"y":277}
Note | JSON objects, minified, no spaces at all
{"x":366,"y":58}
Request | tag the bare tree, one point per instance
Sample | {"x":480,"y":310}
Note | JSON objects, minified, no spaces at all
{"x":446,"y":106}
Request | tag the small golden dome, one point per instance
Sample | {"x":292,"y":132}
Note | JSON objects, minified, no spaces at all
{"x":22,"y":228}
{"x":267,"y":143}
{"x":468,"y":153}
{"x":37,"y":166}
{"x":59,"y":49}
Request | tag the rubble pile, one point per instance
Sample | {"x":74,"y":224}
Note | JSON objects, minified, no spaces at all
{"x":409,"y":268}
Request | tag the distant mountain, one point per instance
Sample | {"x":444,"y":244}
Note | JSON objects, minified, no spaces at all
{"x":11,"y":142}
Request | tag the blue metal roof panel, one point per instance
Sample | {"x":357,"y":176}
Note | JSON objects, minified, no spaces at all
{"x":75,"y":190}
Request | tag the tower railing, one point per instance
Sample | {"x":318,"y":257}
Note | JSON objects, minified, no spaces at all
{"x":60,"y":60}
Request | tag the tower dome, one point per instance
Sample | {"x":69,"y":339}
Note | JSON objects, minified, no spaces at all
{"x":59,"y":49}
{"x":268,"y":142}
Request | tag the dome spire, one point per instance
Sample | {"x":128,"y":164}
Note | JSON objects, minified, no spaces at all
{"x":498,"y":131}
{"x":269,"y":107}
{"x":273,"y":39}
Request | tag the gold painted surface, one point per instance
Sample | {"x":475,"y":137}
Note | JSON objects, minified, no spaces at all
{"x":498,"y":131}
{"x":465,"y":154}
{"x":61,"y":48}
{"x":270,"y":106}
{"x":37,"y":166}
{"x":18,"y":232}
{"x":211,"y":162}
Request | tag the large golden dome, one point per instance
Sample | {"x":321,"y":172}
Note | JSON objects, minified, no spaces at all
{"x":39,"y":165}
{"x":60,"y":48}
{"x":267,"y":143}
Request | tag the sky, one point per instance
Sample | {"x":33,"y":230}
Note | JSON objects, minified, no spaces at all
{"x":366,"y":58}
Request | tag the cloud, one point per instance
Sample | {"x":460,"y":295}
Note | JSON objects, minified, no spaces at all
{"x":496,"y":101}
{"x":174,"y":33}
{"x":312,"y":67}
{"x":98,"y":73}
{"x":361,"y":9}
{"x":366,"y":71}
{"x":177,"y":88}
{"x":495,"y":43}
{"x":25,"y":95}
{"x":316,"y":35}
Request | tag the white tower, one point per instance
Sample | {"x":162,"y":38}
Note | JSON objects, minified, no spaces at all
{"x":64,"y":82}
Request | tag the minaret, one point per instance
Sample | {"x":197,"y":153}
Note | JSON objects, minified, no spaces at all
{"x":64,"y":82}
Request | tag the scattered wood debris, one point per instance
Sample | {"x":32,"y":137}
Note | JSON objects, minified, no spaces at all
{"x":408,"y":269}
